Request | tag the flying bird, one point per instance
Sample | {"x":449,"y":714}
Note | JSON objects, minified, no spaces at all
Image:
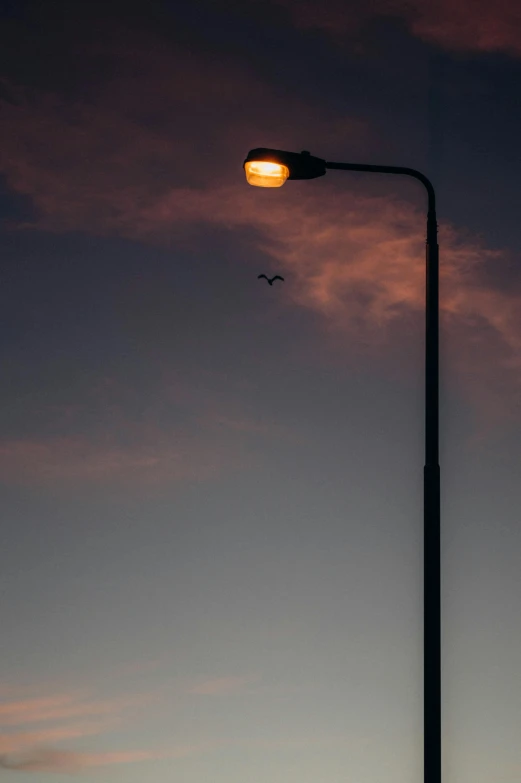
{"x":277,"y":277}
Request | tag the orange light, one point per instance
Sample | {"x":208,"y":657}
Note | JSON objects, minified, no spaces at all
{"x":265,"y":174}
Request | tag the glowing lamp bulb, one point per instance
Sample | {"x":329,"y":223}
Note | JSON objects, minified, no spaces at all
{"x":265,"y":174}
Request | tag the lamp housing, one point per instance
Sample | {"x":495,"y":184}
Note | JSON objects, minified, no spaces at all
{"x":271,"y":168}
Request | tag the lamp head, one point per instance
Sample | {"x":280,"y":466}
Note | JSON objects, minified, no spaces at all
{"x":268,"y":168}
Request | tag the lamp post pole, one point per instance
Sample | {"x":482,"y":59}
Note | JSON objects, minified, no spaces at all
{"x":431,"y":486}
{"x":305,"y":166}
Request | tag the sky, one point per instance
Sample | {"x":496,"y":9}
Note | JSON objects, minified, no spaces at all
{"x":211,"y":488}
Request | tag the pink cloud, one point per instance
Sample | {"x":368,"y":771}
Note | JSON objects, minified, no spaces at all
{"x":461,"y":25}
{"x":133,"y":161}
{"x":64,"y":707}
{"x":356,"y":259}
{"x":212,"y":432}
{"x":339,"y":244}
{"x":469,"y":25}
{"x":15,"y":742}
{"x":97,"y":164}
{"x":47,"y":749}
{"x":220,"y":685}
{"x":87,"y":459}
{"x":61,"y":718}
{"x":44,"y":759}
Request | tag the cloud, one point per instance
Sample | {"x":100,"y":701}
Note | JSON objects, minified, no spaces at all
{"x":47,"y":720}
{"x":89,"y":459}
{"x":133,"y":161}
{"x":220,"y":685}
{"x":60,"y":719}
{"x":63,"y":706}
{"x":94,"y":167}
{"x":357,"y":260}
{"x":468,"y":25}
{"x":459,"y":25}
{"x":341,"y":245}
{"x":179,"y":430}
{"x":42,"y":760}
{"x":97,"y":163}
{"x":16,"y":742}
{"x":45,"y":759}
{"x":60,"y":722}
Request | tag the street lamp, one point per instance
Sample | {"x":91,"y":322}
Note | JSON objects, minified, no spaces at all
{"x":271,"y":168}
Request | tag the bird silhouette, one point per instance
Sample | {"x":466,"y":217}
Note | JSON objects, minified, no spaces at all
{"x":270,"y":281}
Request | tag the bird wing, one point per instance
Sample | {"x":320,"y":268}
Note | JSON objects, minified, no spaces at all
{"x":278,"y":277}
{"x":259,"y":277}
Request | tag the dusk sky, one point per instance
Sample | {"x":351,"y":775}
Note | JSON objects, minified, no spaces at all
{"x":211,"y":488}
